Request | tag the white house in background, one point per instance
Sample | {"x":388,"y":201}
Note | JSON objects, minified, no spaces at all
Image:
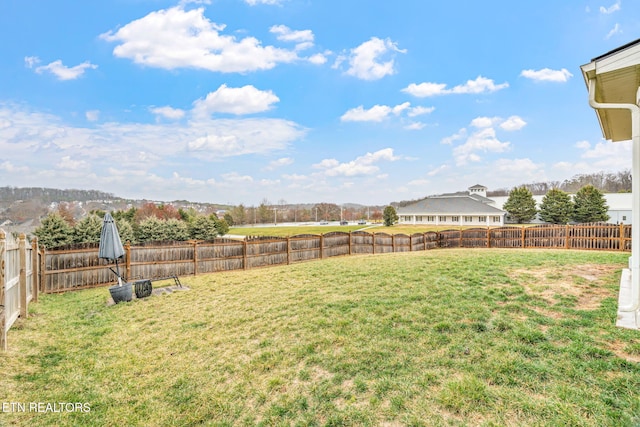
{"x":471,"y":208}
{"x":619,"y":206}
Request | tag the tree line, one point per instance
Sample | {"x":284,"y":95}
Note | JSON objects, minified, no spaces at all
{"x":149,"y":223}
{"x":557,"y":206}
{"x":606,"y":182}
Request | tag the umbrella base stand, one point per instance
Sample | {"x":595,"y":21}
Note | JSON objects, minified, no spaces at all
{"x":121,"y":293}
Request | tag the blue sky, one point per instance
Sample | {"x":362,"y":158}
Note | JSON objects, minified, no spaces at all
{"x":237,"y":101}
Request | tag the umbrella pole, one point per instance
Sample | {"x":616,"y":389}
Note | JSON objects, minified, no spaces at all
{"x":118,"y":273}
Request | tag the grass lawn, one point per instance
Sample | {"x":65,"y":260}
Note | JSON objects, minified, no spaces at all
{"x":445,"y":337}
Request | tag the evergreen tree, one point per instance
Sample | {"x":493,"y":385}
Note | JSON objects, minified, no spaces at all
{"x":88,"y":229}
{"x":150,"y":229}
{"x":221,"y":226}
{"x":202,"y":228}
{"x":125,"y":230}
{"x":389,"y":216}
{"x":175,"y":229}
{"x":54,"y":231}
{"x":589,"y":205}
{"x":520,"y":205}
{"x":556,"y":207}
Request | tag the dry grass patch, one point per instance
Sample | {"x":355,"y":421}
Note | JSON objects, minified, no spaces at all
{"x":582,"y":283}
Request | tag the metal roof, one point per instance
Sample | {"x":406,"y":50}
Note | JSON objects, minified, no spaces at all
{"x":455,"y":205}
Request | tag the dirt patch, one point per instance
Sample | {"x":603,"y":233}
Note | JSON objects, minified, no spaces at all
{"x":584,"y":283}
{"x":618,"y":348}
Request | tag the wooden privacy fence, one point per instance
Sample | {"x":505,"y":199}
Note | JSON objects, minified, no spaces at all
{"x":19,"y":266}
{"x":78,"y":267}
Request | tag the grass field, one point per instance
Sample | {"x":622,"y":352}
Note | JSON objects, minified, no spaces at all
{"x":457,"y":337}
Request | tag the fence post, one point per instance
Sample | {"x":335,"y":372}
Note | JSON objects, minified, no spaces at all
{"x":288,"y":250}
{"x":349,"y":243}
{"x":244,"y":254}
{"x":373,"y":235}
{"x":411,"y":243}
{"x":393,"y":242}
{"x":461,"y":241}
{"x":43,"y":269}
{"x":566,"y":236}
{"x":621,"y":237}
{"x":523,"y":242}
{"x":424,"y":239}
{"x":321,"y":246}
{"x":35,"y":269}
{"x":22,"y":251}
{"x":3,"y":302}
{"x":488,"y":237}
{"x":195,"y":257}
{"x":127,"y":264}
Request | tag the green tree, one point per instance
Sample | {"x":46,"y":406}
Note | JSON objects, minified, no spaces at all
{"x":202,"y":228}
{"x":556,"y":207}
{"x":520,"y":205}
{"x":220,"y":225}
{"x":54,"y":231}
{"x":125,"y":230}
{"x":88,"y":229}
{"x":175,"y":229}
{"x":589,"y":205}
{"x":150,"y":229}
{"x":239,"y":215}
{"x":389,"y":216}
{"x":229,"y":218}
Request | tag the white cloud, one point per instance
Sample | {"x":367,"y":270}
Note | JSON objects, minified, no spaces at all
{"x":583,"y":145}
{"x":363,"y":165}
{"x":477,"y":86}
{"x":484,"y":122}
{"x":415,"y":126}
{"x":418,"y":111}
{"x":367,"y":61}
{"x":58,"y":69}
{"x":318,"y":58}
{"x":462,"y":133}
{"x":513,"y":123}
{"x":377,"y":113}
{"x":437,"y":170}
{"x":284,"y":161}
{"x":615,"y":30}
{"x":239,"y":101}
{"x":67,"y":163}
{"x":611,"y":9}
{"x":168,"y":112}
{"x":177,"y":38}
{"x":483,"y":140}
{"x":547,"y":75}
{"x":92,"y":115}
{"x":285,"y":33}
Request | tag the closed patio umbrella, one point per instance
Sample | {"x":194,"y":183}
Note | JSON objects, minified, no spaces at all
{"x":110,"y":243}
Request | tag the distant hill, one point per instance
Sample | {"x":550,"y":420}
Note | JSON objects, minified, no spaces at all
{"x":50,"y":195}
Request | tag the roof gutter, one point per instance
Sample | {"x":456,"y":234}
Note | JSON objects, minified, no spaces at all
{"x":634,"y":261}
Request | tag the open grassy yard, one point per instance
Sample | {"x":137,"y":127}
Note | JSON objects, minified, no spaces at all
{"x":444,"y":337}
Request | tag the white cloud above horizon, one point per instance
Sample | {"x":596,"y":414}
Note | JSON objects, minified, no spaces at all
{"x":547,"y":75}
{"x":58,"y":69}
{"x":372,"y":60}
{"x":477,"y":86}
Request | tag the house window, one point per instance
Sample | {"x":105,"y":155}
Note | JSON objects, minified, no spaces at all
{"x":468,"y":219}
{"x":418,"y":218}
{"x":455,"y":218}
{"x":495,"y":218}
{"x":442,"y":218}
{"x":624,"y":217}
{"x":431,"y":219}
{"x":482,"y":218}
